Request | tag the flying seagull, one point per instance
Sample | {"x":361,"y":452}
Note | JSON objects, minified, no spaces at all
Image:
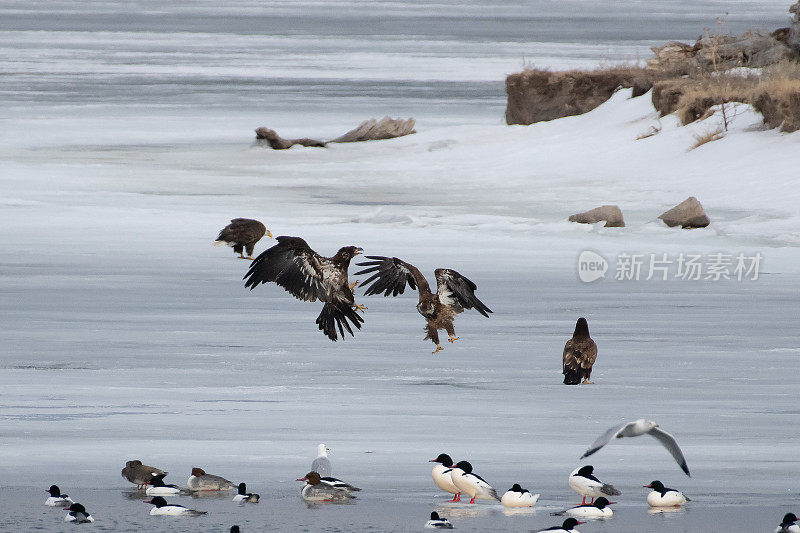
{"x":454,"y":292}
{"x":308,"y":276}
{"x":635,"y":429}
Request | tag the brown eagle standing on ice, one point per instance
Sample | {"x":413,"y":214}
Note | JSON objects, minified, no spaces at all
{"x":308,"y":276}
{"x":242,"y":233}
{"x":454,"y":292}
{"x":579,"y":355}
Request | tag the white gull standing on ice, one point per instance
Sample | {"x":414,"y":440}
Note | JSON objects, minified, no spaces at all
{"x":322,"y":465}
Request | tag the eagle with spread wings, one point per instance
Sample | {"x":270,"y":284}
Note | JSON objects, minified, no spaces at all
{"x":454,"y":292}
{"x":308,"y":276}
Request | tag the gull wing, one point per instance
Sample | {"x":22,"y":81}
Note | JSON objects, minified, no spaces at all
{"x":669,"y":442}
{"x":605,"y":438}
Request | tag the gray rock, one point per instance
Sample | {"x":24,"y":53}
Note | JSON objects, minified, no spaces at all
{"x":687,"y":214}
{"x":794,"y":29}
{"x":722,"y":52}
{"x":612,"y":215}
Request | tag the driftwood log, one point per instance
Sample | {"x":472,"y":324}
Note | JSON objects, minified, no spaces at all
{"x":369,"y":130}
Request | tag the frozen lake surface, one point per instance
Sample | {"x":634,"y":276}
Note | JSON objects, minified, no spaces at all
{"x":126,"y":146}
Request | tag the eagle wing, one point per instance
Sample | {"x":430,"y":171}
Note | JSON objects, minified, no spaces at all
{"x":570,"y":359}
{"x":579,"y":354}
{"x":308,"y":276}
{"x":242,"y":230}
{"x":458,"y":292}
{"x":293,"y":265}
{"x":390,"y":276}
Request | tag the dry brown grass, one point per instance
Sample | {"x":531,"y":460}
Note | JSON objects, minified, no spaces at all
{"x":652,"y":130}
{"x":775,"y":94}
{"x":707,"y":137}
{"x":539,"y":94}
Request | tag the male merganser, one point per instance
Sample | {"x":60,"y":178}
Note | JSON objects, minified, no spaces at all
{"x":788,"y":524}
{"x":636,"y":429}
{"x":472,"y":484}
{"x":438,"y":523}
{"x":583,"y":481}
{"x":599,"y":509}
{"x":57,"y":499}
{"x":322,"y":465}
{"x":139,"y":474}
{"x":516,"y":496}
{"x":77,"y":513}
{"x":441,"y":476}
{"x":661,"y":496}
{"x":162,"y":508}
{"x":158,"y":488}
{"x":245,"y":496}
{"x":316,"y":491}
{"x":567,"y":527}
{"x":337,"y":483}
{"x":199,"y":480}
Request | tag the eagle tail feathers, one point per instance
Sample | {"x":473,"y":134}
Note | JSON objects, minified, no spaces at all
{"x":572,"y":377}
{"x":338,"y":316}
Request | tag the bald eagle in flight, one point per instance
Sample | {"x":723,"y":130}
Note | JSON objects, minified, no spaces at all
{"x":308,"y":276}
{"x":580,"y":353}
{"x":454,"y":292}
{"x":242,"y":233}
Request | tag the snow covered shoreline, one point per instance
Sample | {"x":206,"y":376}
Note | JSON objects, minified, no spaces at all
{"x":126,"y":334}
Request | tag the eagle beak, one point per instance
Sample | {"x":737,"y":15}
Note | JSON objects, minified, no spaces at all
{"x":269,"y":234}
{"x":359,"y":251}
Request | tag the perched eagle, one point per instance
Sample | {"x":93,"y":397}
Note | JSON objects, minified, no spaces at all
{"x":454,"y":292}
{"x":579,"y":355}
{"x":308,"y":276}
{"x":242,"y":233}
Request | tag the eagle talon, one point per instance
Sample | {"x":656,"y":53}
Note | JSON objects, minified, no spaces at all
{"x":587,"y":382}
{"x":353,"y":286}
{"x":453,"y":338}
{"x":361,"y":308}
{"x":438,"y":349}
